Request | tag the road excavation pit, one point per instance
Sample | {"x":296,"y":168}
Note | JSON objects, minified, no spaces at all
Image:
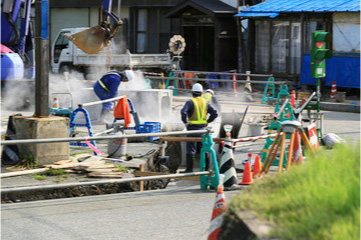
{"x":80,"y":191}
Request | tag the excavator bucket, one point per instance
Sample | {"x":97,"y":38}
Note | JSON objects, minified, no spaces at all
{"x":93,"y":40}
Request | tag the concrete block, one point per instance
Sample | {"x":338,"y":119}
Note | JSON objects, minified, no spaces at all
{"x":39,"y":128}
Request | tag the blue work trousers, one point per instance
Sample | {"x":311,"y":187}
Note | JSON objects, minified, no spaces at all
{"x":103,"y":95}
{"x":193,"y":147}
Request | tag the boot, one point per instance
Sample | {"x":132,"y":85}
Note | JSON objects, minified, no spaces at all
{"x":190,"y":160}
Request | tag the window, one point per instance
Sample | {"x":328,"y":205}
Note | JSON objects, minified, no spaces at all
{"x":60,"y":43}
{"x":280,"y":45}
{"x":142,"y":30}
{"x":152,"y":30}
{"x":262,"y":46}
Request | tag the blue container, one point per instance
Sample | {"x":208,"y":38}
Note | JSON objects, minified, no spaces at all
{"x":149,"y":127}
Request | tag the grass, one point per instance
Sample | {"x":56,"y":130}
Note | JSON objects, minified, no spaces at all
{"x":122,"y":169}
{"x":59,"y":173}
{"x":318,"y":200}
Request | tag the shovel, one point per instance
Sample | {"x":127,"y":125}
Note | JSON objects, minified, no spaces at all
{"x":95,"y":39}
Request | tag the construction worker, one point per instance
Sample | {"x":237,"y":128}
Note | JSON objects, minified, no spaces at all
{"x":107,"y":87}
{"x":209,"y":96}
{"x":194,"y":116}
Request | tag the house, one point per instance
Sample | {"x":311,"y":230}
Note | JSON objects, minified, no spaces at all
{"x":279,"y":39}
{"x":210,"y":32}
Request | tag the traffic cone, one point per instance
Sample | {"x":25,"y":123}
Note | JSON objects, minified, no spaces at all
{"x":227,"y":166}
{"x":297,"y":156}
{"x":333,"y":90}
{"x":247,"y":175}
{"x":257,"y":167}
{"x":218,"y":211}
{"x":293,"y":98}
{"x":55,"y":103}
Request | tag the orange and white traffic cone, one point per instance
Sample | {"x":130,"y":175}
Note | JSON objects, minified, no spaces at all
{"x":247,"y":175}
{"x":333,"y":90}
{"x":293,"y":98}
{"x":312,"y":133}
{"x":257,"y":167}
{"x":218,"y":211}
{"x":297,"y":155}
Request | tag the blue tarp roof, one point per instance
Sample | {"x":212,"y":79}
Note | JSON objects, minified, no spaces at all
{"x":273,"y":8}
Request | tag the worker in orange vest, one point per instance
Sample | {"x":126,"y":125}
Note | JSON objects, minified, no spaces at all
{"x":194,"y":116}
{"x":107,"y":87}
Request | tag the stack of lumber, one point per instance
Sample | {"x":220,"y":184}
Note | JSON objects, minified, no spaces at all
{"x":92,"y":166}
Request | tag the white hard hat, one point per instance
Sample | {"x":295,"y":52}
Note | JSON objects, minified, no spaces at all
{"x":128,"y":75}
{"x":197,"y":88}
{"x":210,"y":91}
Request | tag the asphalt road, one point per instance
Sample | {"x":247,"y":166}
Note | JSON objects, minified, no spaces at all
{"x":182,"y":211}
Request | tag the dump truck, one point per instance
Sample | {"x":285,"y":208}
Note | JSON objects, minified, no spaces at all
{"x":66,"y":56}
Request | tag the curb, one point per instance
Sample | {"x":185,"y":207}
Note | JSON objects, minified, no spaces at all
{"x":245,"y":225}
{"x":339,"y":107}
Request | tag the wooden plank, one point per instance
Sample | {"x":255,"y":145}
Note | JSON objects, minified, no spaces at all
{"x":105,"y":175}
{"x":71,"y":165}
{"x":25,"y":172}
{"x":102,"y":170}
{"x":143,"y":174}
{"x":141,"y":183}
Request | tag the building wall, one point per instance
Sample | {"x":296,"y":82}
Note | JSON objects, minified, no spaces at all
{"x":68,"y":18}
{"x":346,"y":32}
{"x":233,"y":3}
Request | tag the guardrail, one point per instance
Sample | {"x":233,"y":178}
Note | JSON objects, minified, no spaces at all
{"x":55,"y":140}
{"x":215,"y":80}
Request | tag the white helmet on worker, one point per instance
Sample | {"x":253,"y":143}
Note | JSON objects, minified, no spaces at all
{"x":197,"y":88}
{"x":128,"y":76}
{"x":210,"y":91}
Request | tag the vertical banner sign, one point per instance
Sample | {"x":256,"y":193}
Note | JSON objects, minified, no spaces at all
{"x":44,"y":19}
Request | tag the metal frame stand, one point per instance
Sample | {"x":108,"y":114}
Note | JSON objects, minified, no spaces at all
{"x":265,"y":99}
{"x":287,"y":127}
{"x":87,"y":124}
{"x":207,"y":146}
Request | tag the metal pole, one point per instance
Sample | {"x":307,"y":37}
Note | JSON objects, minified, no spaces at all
{"x":110,"y":181}
{"x":42,"y":58}
{"x":54,"y":140}
{"x":214,"y":80}
{"x":226,"y":73}
{"x":81,"y":105}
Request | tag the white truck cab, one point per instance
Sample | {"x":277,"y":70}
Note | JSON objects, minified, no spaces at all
{"x":66,"y":57}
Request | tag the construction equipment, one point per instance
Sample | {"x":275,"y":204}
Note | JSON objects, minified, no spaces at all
{"x":95,"y":39}
{"x":17,"y":48}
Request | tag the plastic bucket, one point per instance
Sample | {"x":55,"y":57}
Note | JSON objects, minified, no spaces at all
{"x":256,"y":129}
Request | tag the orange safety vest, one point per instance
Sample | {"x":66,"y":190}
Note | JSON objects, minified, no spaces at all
{"x":199,"y":115}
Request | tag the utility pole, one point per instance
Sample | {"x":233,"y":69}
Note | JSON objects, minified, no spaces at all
{"x":42,"y":58}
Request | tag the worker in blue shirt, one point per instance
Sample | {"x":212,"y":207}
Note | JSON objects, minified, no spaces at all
{"x":194,"y":116}
{"x":107,"y":87}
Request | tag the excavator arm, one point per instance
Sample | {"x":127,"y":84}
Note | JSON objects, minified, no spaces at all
{"x":95,"y":39}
